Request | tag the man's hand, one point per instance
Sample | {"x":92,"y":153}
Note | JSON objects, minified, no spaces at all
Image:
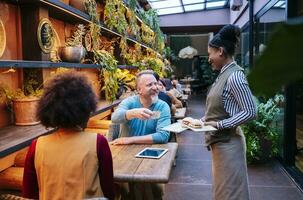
{"x":212,"y":123}
{"x":140,"y":113}
{"x":122,"y":140}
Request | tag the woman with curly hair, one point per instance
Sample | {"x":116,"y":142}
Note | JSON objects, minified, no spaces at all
{"x":69,"y":163}
{"x":229,"y":104}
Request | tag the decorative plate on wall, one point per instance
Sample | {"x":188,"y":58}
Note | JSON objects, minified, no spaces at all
{"x":2,"y":38}
{"x":45,"y":34}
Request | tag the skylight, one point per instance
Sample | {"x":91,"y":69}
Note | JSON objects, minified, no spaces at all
{"x":280,"y":4}
{"x":166,"y":7}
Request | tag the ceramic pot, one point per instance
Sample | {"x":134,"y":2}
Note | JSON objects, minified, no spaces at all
{"x":72,"y":54}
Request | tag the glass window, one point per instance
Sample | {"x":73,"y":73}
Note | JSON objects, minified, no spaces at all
{"x":166,"y":7}
{"x":194,"y":7}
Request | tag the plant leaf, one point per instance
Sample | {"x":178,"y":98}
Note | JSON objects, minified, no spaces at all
{"x":282,"y":61}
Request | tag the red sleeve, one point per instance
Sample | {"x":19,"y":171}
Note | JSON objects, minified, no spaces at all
{"x":105,"y":167}
{"x":30,"y":187}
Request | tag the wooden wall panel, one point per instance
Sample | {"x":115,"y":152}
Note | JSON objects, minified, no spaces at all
{"x":10,"y":16}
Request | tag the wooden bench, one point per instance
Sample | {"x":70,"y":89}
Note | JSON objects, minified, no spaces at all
{"x":98,"y":126}
{"x":11,"y":177}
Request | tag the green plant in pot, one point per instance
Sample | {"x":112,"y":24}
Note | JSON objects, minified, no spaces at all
{"x":261,"y":134}
{"x":23,"y":102}
{"x":74,"y":50}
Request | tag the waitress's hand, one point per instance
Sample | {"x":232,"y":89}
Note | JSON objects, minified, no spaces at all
{"x":211,"y":123}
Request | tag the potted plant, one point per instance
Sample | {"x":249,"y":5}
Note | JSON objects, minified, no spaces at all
{"x":23,"y":103}
{"x":262,"y":134}
{"x":74,"y":50}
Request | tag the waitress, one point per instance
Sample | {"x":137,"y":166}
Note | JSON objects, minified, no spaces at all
{"x":229,"y":104}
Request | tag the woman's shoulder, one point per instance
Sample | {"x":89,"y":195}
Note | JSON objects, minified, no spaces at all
{"x":237,"y":77}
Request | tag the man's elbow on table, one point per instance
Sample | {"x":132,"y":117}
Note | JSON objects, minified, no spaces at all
{"x":161,"y":138}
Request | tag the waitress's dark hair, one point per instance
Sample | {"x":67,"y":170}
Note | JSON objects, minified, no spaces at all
{"x":67,"y":101}
{"x":228,"y":38}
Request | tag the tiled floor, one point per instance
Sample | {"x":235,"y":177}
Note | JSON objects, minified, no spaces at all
{"x":191,"y":177}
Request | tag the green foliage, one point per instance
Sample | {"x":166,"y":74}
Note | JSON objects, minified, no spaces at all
{"x":169,"y":54}
{"x":114,"y":15}
{"x":208,"y":75}
{"x":132,"y":4}
{"x":91,"y":9}
{"x":261,"y":134}
{"x":109,"y":73}
{"x":281,"y":62}
{"x":77,"y":38}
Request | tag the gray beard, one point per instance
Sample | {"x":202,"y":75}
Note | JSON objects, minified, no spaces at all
{"x":155,"y":99}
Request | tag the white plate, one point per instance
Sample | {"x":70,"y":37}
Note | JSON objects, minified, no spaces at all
{"x":177,"y":128}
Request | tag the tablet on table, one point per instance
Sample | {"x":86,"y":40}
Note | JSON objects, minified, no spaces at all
{"x":151,"y":153}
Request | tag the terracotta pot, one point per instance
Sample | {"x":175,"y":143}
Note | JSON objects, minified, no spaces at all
{"x":25,"y":111}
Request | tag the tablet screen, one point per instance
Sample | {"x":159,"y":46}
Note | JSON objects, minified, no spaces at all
{"x":151,"y":153}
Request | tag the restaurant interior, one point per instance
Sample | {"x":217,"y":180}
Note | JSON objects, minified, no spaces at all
{"x":111,"y":41}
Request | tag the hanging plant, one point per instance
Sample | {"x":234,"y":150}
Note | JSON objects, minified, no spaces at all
{"x":154,"y":64}
{"x":109,"y":73}
{"x":114,"y":15}
{"x":147,"y":35}
{"x":123,"y":47}
{"x":133,"y":28}
{"x":91,"y":9}
{"x":92,"y":37}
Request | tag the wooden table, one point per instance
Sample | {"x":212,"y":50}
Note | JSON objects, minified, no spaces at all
{"x":128,"y":168}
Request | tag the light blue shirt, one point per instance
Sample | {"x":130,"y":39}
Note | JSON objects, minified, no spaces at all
{"x":139,"y":127}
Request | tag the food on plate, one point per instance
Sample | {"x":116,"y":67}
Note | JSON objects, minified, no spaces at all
{"x":191,"y":122}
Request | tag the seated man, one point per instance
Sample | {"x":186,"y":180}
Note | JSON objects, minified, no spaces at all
{"x":176,"y":102}
{"x":163,"y":96}
{"x":139,"y":125}
{"x":136,"y":114}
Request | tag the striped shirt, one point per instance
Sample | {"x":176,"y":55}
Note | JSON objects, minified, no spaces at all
{"x":237,"y":100}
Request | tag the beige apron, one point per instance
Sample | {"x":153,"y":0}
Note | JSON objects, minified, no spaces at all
{"x":227,"y":146}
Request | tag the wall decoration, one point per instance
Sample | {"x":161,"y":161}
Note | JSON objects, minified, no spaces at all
{"x":45,"y":34}
{"x":54,"y":52}
{"x":2,"y":38}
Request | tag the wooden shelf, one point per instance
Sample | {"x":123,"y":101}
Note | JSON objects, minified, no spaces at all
{"x":14,"y":138}
{"x":43,"y":64}
{"x":48,"y":64}
{"x":62,"y":11}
